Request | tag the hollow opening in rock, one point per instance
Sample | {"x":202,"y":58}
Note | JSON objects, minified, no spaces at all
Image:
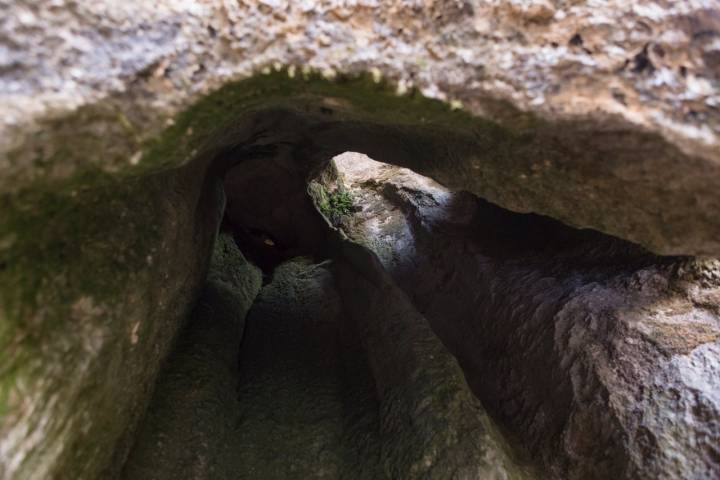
{"x":399,"y":329}
{"x":356,"y":320}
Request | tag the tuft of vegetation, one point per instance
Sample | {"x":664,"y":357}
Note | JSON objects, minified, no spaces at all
{"x":334,"y":205}
{"x":341,"y":202}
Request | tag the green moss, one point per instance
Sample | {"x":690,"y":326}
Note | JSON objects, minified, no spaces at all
{"x":339,"y":203}
{"x":78,"y":138}
{"x":50,"y":228}
{"x":55,"y":248}
{"x":211,"y":122}
{"x":333,"y":204}
{"x":74,"y":260}
{"x":357,"y":97}
{"x":79,"y":227}
{"x":61,"y":232}
{"x":104,"y":137}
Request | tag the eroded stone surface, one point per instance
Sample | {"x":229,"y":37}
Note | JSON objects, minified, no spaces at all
{"x":89,"y":308}
{"x":318,"y":386}
{"x":601,"y":115}
{"x":600,"y":358}
{"x":431,"y":426}
{"x":189,"y":429}
{"x":306,"y":397}
{"x":620,"y":99}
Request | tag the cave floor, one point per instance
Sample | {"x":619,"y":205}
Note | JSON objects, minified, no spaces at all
{"x":307,"y":403}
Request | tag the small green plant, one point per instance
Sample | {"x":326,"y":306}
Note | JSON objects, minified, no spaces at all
{"x":341,"y":203}
{"x":336,"y":204}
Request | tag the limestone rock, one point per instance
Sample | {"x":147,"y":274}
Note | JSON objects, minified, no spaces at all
{"x":600,"y":359}
{"x":118,"y":118}
{"x":431,"y":426}
{"x":188,"y":429}
{"x":90,"y":304}
{"x":614,"y":105}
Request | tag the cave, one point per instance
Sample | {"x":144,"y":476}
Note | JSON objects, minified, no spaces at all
{"x":319,"y":313}
{"x":359,"y":240}
{"x":363,"y":321}
{"x":343,"y":317}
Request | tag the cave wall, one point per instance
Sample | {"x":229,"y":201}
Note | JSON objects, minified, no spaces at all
{"x":106,"y":220}
{"x":431,"y":426}
{"x":597,"y":357}
{"x":602,"y":116}
{"x":188,"y":430}
{"x":93,"y":295}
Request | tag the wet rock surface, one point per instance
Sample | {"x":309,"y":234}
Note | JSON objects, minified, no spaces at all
{"x":571,"y":339}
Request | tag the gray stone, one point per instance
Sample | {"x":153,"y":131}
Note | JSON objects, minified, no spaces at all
{"x":602,"y":117}
{"x":599,"y":359}
{"x":90,"y":305}
{"x":431,"y":426}
{"x":189,"y":428}
{"x":610,"y":112}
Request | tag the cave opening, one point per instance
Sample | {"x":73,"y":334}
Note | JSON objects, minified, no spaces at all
{"x":360,"y":319}
{"x":274,"y":215}
{"x":190,"y":288}
{"x":394,"y":313}
{"x":395,"y":326}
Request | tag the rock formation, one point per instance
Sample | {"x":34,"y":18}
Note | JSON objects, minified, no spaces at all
{"x":599,"y":357}
{"x":133,"y":132}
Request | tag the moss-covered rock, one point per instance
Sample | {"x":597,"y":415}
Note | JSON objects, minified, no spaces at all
{"x":96,"y":282}
{"x":190,"y":428}
{"x":620,"y":137}
{"x":114,"y":112}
